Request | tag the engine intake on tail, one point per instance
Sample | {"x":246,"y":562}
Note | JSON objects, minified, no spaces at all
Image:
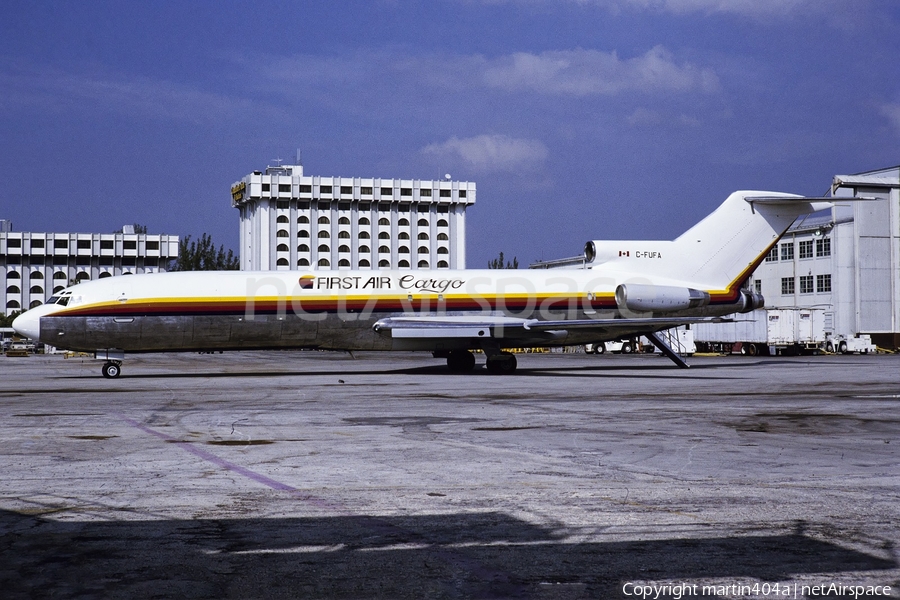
{"x":659,"y":298}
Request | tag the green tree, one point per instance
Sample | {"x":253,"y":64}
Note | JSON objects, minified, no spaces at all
{"x":497,"y":263}
{"x":6,"y":320}
{"x":202,"y":255}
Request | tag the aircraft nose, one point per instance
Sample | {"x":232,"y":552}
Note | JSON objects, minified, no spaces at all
{"x":28,"y":324}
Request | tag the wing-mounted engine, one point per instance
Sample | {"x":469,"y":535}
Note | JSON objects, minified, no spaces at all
{"x":658,"y":298}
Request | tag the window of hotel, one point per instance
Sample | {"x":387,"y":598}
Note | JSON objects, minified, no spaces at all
{"x":343,"y":221}
{"x":37,"y":243}
{"x":423,"y":264}
{"x":787,"y":285}
{"x":443,"y":208}
{"x":107,"y":245}
{"x":305,"y":188}
{"x":406,"y":191}
{"x":425,"y":193}
{"x":787,"y":251}
{"x":106,"y":261}
{"x":442,"y":223}
{"x":343,"y":263}
{"x":283,"y":204}
{"x":128,"y":245}
{"x":344,"y":235}
{"x":402,"y":236}
{"x":806,"y":284}
{"x":383,"y":221}
{"x":403,"y":264}
{"x":284,"y":188}
{"x":384,"y":250}
{"x":384,"y":264}
{"x":325,"y":189}
{"x":365,"y":191}
{"x":443,"y":264}
{"x":324,"y":248}
{"x":423,"y":223}
{"x":423,"y":250}
{"x":805,"y":249}
{"x":364,"y":221}
{"x":324,"y":221}
{"x":445,"y":193}
{"x":344,"y":248}
{"x":364,"y":249}
{"x":384,"y":207}
{"x":823,"y":247}
{"x":282,"y":262}
{"x":346,"y":189}
{"x":403,"y":250}
{"x":56,"y":243}
{"x":443,"y":250}
{"x":324,"y":262}
{"x":364,"y":235}
{"x":283,"y":248}
{"x":384,"y":235}
{"x":303,"y":205}
{"x":343,"y":206}
{"x":265,"y":187}
{"x":823,"y":283}
{"x":13,"y":289}
{"x":35,"y":304}
{"x":13,"y":305}
{"x":462,"y":193}
{"x":443,"y":237}
{"x":404,"y":208}
{"x":152,"y":245}
{"x":302,"y":262}
{"x":282,"y":233}
{"x":37,"y":275}
{"x":387,"y":191}
{"x":302,"y":234}
{"x":84,"y":244}
{"x":303,"y":219}
{"x":364,"y":263}
{"x":757,"y":286}
{"x":324,"y":205}
{"x":302,"y":248}
{"x":424,"y":208}
{"x":403,"y":222}
{"x":324,"y":234}
{"x":423,"y":236}
{"x":13,"y":275}
{"x":281,"y":219}
{"x":15,"y":243}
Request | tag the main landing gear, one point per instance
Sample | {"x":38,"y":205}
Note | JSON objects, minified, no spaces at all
{"x":112,"y":369}
{"x":463,"y":361}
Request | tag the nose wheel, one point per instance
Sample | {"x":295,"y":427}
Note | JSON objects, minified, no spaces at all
{"x":112,"y":369}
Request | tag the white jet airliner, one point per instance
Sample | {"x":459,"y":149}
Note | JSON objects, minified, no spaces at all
{"x":629,"y":288}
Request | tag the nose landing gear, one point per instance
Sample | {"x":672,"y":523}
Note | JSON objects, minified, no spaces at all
{"x":112,"y":369}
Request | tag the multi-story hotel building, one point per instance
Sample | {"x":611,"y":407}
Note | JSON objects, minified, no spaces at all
{"x":34,"y":266}
{"x":289,"y":220}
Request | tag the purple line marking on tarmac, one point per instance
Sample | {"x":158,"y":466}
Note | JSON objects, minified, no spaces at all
{"x":500,"y":585}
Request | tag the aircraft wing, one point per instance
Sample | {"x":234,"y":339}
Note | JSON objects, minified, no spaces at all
{"x":446,"y":326}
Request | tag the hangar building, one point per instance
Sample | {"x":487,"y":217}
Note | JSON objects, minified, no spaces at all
{"x":289,"y":220}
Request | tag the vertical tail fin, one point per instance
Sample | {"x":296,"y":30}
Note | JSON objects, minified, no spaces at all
{"x":720,"y":251}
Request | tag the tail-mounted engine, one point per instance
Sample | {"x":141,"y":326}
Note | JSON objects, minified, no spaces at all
{"x":658,"y":298}
{"x":751,"y":301}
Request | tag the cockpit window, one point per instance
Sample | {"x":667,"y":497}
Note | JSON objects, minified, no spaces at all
{"x":61,"y":300}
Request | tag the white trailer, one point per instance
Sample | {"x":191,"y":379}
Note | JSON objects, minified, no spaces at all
{"x":766,"y":331}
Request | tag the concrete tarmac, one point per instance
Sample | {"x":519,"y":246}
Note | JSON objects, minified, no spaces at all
{"x":321,"y":475}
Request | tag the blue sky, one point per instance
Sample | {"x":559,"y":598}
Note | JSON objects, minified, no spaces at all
{"x":578,"y":119}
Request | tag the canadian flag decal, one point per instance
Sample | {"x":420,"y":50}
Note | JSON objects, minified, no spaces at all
{"x":624,"y":253}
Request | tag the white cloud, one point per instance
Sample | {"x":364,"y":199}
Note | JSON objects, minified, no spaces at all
{"x":748,"y":8}
{"x":590,"y":72}
{"x":487,"y":153}
{"x":892,"y":112}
